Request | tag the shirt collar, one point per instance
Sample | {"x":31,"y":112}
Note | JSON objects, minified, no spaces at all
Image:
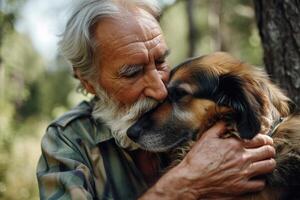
{"x":102,"y":132}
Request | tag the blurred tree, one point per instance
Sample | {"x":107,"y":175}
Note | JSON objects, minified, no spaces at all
{"x":21,"y":65}
{"x":192,"y":30}
{"x":8,"y":15}
{"x":214,"y":23}
{"x":279,"y":27}
{"x":31,"y":92}
{"x":217,"y":25}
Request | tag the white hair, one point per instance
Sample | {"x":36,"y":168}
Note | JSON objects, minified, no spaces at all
{"x":77,"y":43}
{"x":119,"y":118}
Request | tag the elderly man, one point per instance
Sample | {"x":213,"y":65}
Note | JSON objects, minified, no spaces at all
{"x":118,"y":52}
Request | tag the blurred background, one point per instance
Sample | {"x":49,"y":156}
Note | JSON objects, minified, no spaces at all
{"x":36,"y":83}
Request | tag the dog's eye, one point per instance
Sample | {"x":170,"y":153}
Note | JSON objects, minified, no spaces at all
{"x":175,"y":94}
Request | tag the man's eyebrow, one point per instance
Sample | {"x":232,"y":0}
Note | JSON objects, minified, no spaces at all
{"x":128,"y":69}
{"x":166,"y":53}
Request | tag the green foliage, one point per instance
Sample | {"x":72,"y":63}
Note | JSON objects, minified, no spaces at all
{"x":9,"y":10}
{"x":29,"y":93}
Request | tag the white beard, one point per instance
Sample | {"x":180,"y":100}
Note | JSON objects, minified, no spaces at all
{"x":119,"y":119}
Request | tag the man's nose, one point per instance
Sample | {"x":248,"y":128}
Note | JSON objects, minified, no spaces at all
{"x":155,"y":87}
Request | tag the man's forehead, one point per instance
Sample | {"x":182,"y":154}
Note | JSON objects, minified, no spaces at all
{"x":127,"y":27}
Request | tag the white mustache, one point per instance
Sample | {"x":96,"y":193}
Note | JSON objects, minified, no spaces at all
{"x":140,"y":107}
{"x":118,"y":118}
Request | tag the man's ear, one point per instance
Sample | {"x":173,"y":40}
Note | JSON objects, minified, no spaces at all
{"x":86,"y":84}
{"x":233,"y":92}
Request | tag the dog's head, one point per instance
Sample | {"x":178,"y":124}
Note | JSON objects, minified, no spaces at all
{"x":203,"y":90}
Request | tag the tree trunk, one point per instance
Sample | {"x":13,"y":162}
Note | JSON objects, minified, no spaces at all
{"x":192,"y":34}
{"x":279,"y":27}
{"x":214,"y":23}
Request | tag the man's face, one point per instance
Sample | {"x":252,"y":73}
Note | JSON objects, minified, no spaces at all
{"x":132,"y":57}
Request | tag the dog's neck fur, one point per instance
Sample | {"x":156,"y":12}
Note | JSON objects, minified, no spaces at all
{"x":269,"y":123}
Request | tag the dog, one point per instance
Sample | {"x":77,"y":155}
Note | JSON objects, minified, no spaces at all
{"x":214,"y":87}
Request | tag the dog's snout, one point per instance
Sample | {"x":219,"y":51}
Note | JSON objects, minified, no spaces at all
{"x":134,"y":132}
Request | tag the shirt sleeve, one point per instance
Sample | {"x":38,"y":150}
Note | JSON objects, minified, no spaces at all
{"x":62,"y":171}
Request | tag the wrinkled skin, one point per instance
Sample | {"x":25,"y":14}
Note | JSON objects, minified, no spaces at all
{"x":223,"y":171}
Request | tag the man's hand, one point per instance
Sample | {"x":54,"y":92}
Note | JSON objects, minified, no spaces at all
{"x":217,"y":168}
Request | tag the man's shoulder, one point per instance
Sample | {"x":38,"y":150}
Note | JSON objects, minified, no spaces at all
{"x":79,"y":125}
{"x":82,"y":110}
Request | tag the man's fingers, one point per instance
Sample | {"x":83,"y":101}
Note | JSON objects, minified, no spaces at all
{"x":258,"y":140}
{"x":255,"y":185}
{"x":216,"y":130}
{"x":262,"y":167}
{"x":261,"y":153}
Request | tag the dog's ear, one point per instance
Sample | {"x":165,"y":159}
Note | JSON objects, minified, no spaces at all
{"x":234,"y":92}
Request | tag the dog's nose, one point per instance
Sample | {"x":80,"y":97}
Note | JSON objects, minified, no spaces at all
{"x":134,"y":132}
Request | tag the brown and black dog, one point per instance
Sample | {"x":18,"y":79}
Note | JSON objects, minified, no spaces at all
{"x":216,"y":87}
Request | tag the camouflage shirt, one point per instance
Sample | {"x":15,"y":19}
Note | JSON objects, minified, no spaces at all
{"x":80,"y":160}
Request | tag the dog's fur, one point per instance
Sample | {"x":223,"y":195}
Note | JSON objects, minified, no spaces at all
{"x":216,"y":87}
